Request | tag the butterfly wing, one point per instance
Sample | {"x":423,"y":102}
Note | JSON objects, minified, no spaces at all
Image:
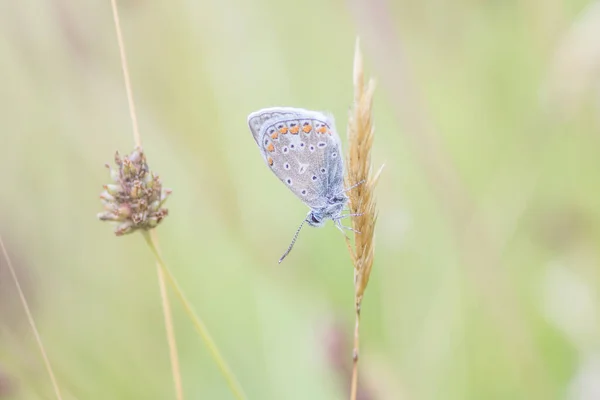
{"x":302,"y":149}
{"x":258,"y":119}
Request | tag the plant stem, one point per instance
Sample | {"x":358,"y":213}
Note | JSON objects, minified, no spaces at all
{"x":136,"y":132}
{"x":355,"y":350}
{"x":168,"y":325}
{"x":163,"y":270}
{"x":198,"y":324}
{"x":36,"y":333}
{"x":175,"y":370}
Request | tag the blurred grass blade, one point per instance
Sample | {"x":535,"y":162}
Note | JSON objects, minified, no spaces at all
{"x":198,"y":324}
{"x":36,"y":333}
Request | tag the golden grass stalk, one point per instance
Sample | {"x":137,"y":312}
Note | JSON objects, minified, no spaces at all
{"x":31,"y":321}
{"x":361,"y":198}
{"x":162,"y":270}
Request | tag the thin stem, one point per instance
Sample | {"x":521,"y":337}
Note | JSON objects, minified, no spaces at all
{"x":198,"y":324}
{"x":168,"y":325}
{"x":36,"y":334}
{"x":175,"y":370}
{"x":355,"y":350}
{"x":136,"y":132}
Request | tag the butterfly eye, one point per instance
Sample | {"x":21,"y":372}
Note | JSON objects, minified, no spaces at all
{"x":315,"y":220}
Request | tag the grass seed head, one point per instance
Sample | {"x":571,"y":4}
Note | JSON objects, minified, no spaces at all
{"x":135,"y":198}
{"x":362,"y":199}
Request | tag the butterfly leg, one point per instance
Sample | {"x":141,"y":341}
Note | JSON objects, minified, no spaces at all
{"x":341,"y":227}
{"x":353,"y":186}
{"x":351,"y":229}
{"x":351,"y":215}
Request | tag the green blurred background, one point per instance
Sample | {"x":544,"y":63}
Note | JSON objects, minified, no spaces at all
{"x":486,"y":280}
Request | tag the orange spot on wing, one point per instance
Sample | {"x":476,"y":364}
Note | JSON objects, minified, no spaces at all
{"x":283,"y":130}
{"x":270,"y":161}
{"x":294,"y":130}
{"x":307,"y":128}
{"x":275,"y":135}
{"x":322,"y":129}
{"x":270,"y":147}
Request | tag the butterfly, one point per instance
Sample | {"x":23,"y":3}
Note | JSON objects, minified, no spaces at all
{"x":304,"y":151}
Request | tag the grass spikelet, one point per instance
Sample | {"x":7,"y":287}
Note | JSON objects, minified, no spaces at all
{"x":361,"y":198}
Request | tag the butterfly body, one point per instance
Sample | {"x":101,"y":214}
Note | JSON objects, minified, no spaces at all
{"x":302,"y":148}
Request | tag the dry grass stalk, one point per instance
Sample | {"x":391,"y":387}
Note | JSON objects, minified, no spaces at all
{"x":36,"y":333}
{"x":362,"y":200}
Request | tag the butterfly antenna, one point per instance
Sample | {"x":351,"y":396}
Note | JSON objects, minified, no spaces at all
{"x":293,"y":241}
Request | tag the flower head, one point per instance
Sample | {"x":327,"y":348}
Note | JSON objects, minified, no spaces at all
{"x":136,"y":196}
